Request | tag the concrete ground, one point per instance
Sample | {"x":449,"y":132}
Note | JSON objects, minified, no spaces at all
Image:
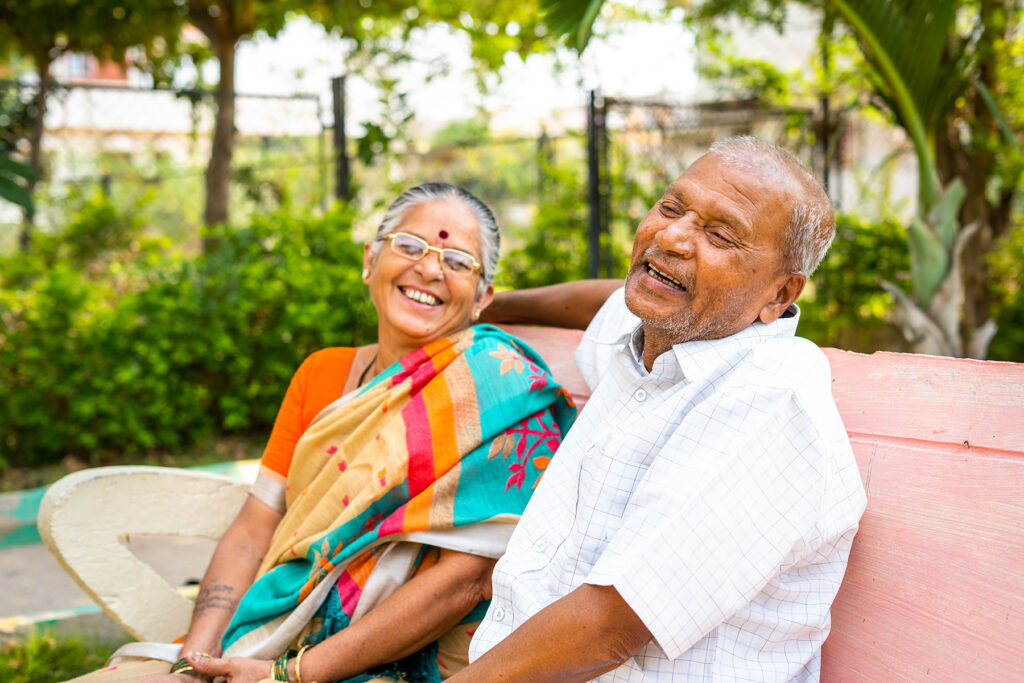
{"x":35,"y":589}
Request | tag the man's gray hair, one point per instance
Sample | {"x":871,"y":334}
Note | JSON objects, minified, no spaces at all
{"x":490,"y":238}
{"x":812,"y":225}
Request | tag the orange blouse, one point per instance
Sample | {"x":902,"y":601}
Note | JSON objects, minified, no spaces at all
{"x":318,"y":382}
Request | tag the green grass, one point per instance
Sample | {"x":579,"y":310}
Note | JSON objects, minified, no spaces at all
{"x":42,"y":657}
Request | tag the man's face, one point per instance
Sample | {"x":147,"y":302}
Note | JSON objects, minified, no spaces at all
{"x":707,"y":258}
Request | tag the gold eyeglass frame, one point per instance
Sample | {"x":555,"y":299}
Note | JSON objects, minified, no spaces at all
{"x":476,"y":267}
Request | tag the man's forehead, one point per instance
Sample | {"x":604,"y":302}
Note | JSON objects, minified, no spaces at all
{"x":759,"y":183}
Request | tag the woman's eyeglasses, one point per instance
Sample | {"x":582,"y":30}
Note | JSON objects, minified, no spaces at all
{"x":415,"y":248}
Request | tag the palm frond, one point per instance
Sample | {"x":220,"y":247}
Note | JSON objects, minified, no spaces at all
{"x":905,"y":41}
{"x":573,"y":19}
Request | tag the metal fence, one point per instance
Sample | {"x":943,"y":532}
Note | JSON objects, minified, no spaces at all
{"x":150,"y":147}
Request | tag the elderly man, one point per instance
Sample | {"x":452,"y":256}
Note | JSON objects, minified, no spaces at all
{"x":696,"y":522}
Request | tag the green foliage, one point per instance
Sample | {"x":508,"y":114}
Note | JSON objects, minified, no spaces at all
{"x":462,"y":133}
{"x":41,"y":657}
{"x":554,"y":247}
{"x":13,"y":176}
{"x":843,"y":305}
{"x":96,"y":237}
{"x":1008,"y":271}
{"x":574,"y":19}
{"x":159,"y":353}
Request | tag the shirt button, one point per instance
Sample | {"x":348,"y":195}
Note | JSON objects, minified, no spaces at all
{"x":639,"y":394}
{"x":499,"y":614}
{"x":540,"y":546}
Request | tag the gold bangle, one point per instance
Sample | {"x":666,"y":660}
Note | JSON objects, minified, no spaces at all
{"x":181,"y":666}
{"x":298,"y":662}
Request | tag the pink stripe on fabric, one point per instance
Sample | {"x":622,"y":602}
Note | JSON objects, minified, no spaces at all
{"x":419,"y":444}
{"x":348,"y":593}
{"x":395,"y":523}
{"x":409,"y":364}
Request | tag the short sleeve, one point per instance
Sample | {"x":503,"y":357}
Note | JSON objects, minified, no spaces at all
{"x":717,"y":514}
{"x":318,"y":382}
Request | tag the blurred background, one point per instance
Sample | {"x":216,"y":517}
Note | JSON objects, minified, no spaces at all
{"x":185,"y":186}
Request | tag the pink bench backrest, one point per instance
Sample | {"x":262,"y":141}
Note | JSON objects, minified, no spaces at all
{"x":935,"y":586}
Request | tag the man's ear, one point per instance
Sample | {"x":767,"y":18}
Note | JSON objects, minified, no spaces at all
{"x":789,"y":288}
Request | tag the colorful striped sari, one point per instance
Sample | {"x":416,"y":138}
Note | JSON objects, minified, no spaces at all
{"x":443,"y":448}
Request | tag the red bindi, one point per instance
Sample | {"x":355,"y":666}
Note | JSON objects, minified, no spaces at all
{"x":443,"y":234}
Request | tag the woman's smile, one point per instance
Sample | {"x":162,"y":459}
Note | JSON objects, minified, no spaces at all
{"x":420,"y":300}
{"x":420,"y":296}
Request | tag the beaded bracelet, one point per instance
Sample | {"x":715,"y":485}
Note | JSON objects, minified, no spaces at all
{"x":280,"y":670}
{"x":298,"y":663}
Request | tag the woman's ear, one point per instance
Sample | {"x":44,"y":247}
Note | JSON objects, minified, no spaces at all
{"x":367,"y":262}
{"x":789,"y":288}
{"x":483,"y":301}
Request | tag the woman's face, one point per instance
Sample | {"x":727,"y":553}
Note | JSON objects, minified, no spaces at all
{"x":419,"y":301}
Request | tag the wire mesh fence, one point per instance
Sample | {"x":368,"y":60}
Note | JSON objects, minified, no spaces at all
{"x":147,"y":149}
{"x":151,"y":146}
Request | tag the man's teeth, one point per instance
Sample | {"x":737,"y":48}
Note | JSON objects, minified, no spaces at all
{"x":422,"y":297}
{"x":664,"y":277}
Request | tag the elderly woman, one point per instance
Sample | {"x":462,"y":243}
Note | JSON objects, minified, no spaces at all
{"x":392,"y":479}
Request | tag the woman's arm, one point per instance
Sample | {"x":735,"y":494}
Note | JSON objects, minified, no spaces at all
{"x":418,"y":613}
{"x":569,"y":304}
{"x":231,"y":572}
{"x":422,"y":610}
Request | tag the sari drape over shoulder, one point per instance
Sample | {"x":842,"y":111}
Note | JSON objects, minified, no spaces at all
{"x":443,"y":448}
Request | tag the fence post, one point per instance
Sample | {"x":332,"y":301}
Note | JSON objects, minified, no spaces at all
{"x":321,"y":153}
{"x":594,"y":121}
{"x":341,"y":186}
{"x":545,"y":159}
{"x":605,"y":187}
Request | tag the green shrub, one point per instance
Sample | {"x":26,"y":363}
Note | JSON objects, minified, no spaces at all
{"x":843,"y":304}
{"x":1006,"y":260}
{"x":160,"y":353}
{"x":41,"y":657}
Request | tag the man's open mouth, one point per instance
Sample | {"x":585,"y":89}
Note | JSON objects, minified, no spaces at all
{"x":664,"y":277}
{"x":420,"y":297}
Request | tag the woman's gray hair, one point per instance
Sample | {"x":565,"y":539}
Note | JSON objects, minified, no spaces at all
{"x":812,"y":225}
{"x":490,"y":238}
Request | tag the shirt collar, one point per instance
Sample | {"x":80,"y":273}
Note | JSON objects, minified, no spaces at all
{"x":698,"y":359}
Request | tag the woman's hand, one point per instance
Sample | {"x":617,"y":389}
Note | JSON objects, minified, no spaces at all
{"x":235,"y":669}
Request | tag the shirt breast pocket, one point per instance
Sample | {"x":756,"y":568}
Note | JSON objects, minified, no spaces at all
{"x":608,"y":479}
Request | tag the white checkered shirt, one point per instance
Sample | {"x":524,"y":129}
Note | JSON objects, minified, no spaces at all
{"x":718,"y":494}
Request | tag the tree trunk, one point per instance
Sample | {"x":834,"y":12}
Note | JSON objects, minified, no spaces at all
{"x":36,"y":147}
{"x":975,"y":162}
{"x":218,"y":172}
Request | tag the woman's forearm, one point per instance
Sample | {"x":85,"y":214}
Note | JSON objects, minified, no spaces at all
{"x":569,"y":304}
{"x":418,"y":613}
{"x":231,"y":572}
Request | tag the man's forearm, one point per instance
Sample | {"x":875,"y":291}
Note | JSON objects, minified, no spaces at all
{"x":588,"y":632}
{"x":569,"y":304}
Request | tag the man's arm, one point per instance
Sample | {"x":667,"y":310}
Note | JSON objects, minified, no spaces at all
{"x":569,"y":304}
{"x":584,"y":634}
